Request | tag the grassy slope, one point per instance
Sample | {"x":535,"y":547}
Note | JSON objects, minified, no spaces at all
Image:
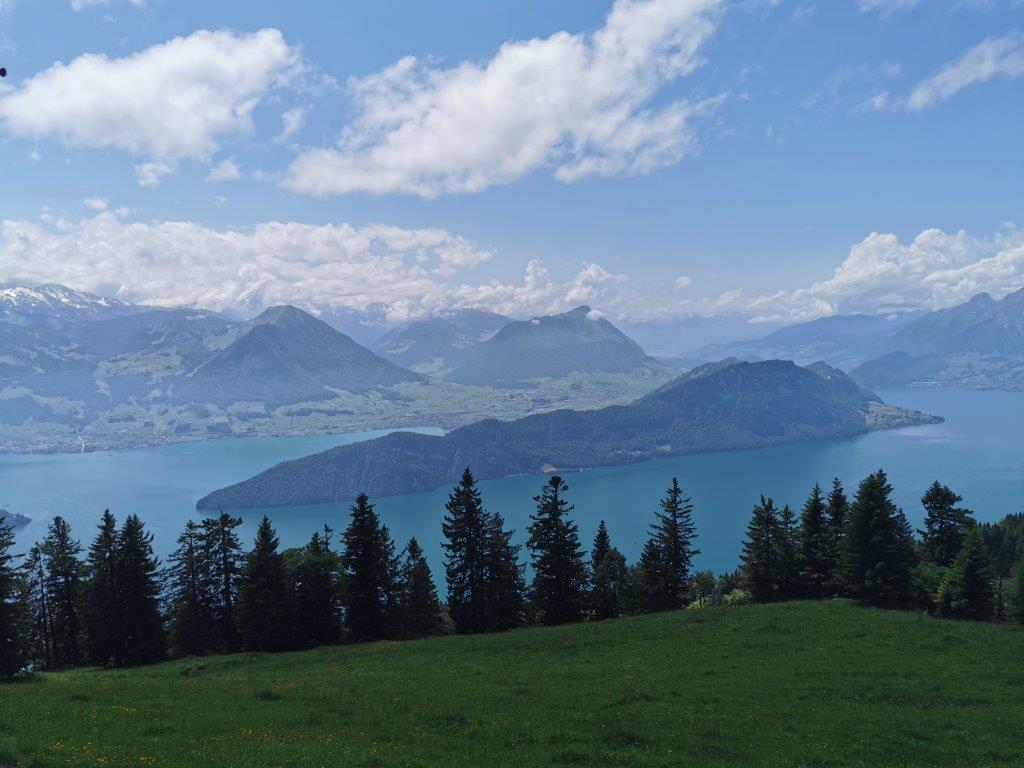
{"x":800,"y":684}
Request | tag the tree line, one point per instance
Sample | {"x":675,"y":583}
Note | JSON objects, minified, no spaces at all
{"x":113,"y":604}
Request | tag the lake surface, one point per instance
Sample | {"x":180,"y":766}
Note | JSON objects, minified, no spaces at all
{"x":978,"y":451}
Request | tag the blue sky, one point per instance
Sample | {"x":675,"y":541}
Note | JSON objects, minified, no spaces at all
{"x":649,"y":157}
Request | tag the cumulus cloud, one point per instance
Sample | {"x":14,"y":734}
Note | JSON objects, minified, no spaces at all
{"x":225,"y":170}
{"x":992,"y":57}
{"x":684,"y":281}
{"x":292,"y":121}
{"x":171,"y":102}
{"x":579,"y":104}
{"x":882,"y":275}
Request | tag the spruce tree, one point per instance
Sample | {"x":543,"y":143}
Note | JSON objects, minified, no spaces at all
{"x":1015,"y":610}
{"x":968,"y":591}
{"x":602,"y":546}
{"x":789,"y":554}
{"x":420,"y":608}
{"x":879,"y":549}
{"x":222,"y":554}
{"x":190,"y":609}
{"x":139,"y":595}
{"x":503,"y":578}
{"x":264,"y":596}
{"x":837,"y":510}
{"x":13,"y":614}
{"x":366,"y":560}
{"x":39,"y":602}
{"x":650,"y":579}
{"x":63,"y":566}
{"x":465,"y":534}
{"x":815,"y":546}
{"x":558,"y":591}
{"x":104,"y":621}
{"x":608,"y":597}
{"x":761,"y":556}
{"x":317,"y":589}
{"x":945,"y":524}
{"x":673,"y":534}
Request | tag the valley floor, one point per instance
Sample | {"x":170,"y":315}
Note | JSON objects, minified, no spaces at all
{"x":798,"y":684}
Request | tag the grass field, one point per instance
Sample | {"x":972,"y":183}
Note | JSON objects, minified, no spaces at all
{"x":800,"y":684}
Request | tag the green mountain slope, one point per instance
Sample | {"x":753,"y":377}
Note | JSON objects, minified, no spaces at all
{"x":796,"y":684}
{"x":718,"y":407}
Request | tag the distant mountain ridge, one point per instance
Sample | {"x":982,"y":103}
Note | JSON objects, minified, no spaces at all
{"x":436,"y":344}
{"x":550,"y":347}
{"x":718,"y":407}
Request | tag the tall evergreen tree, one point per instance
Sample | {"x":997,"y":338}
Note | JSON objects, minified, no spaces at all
{"x":673,"y":533}
{"x":608,"y":596}
{"x":602,"y":546}
{"x":968,"y":591}
{"x":945,"y":524}
{"x":465,"y":534}
{"x":189,"y":600}
{"x":762,"y":557}
{"x":649,"y":580}
{"x":1015,"y":610}
{"x":317,"y":589}
{"x":815,"y":546}
{"x":837,"y":510}
{"x":139,"y":595}
{"x":39,"y":602}
{"x":789,"y":554}
{"x":62,"y":561}
{"x":879,"y":548}
{"x":560,"y":580}
{"x":103,"y":612}
{"x":264,"y":596}
{"x":366,"y":560}
{"x":420,"y":608}
{"x":222,"y":554}
{"x":13,"y":614}
{"x":503,"y":577}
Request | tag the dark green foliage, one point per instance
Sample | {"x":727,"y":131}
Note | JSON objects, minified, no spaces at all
{"x":39,"y":603}
{"x":816,"y":547}
{"x":968,"y":591}
{"x":316,"y":587}
{"x":13,"y":615}
{"x":559,"y":584}
{"x":789,"y":554}
{"x":602,"y":546}
{"x":367,"y":562}
{"x":926,"y":579}
{"x":649,"y":578}
{"x":222,"y":555}
{"x":139,"y":595}
{"x":264,"y":595}
{"x":672,"y":536}
{"x":837,"y":509}
{"x":505,"y":587}
{"x":465,"y":534}
{"x":104,"y":622}
{"x":608,"y":594}
{"x":945,"y":524}
{"x":878,"y":552}
{"x":63,"y":578}
{"x":763,"y":573}
{"x":1005,"y":542}
{"x":189,"y":603}
{"x":419,"y":608}
{"x":1015,"y":597}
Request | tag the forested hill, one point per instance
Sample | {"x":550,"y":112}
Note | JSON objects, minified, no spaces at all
{"x":721,"y":406}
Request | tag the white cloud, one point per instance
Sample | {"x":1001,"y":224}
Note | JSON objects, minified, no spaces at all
{"x":81,"y":5}
{"x":291,"y":122}
{"x":225,"y":170}
{"x":580,"y":104}
{"x":882,"y":275}
{"x":994,"y":56}
{"x":95,"y":203}
{"x":683,"y":281}
{"x":149,"y":174}
{"x":887,"y":7}
{"x":170,"y":102}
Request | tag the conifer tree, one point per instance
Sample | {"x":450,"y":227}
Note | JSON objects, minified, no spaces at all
{"x":139,"y":595}
{"x":602,"y":546}
{"x":673,"y":533}
{"x":789,"y":554}
{"x":608,"y":595}
{"x":63,"y":567}
{"x":36,"y":596}
{"x":837,"y":510}
{"x":968,"y":591}
{"x":879,"y":548}
{"x":222,"y":555}
{"x":368,"y":568}
{"x":264,"y":597}
{"x":189,"y":601}
{"x":13,"y":614}
{"x":945,"y":524}
{"x":650,"y":579}
{"x":465,"y":534}
{"x":504,"y":584}
{"x":815,"y":546}
{"x":761,"y":556}
{"x":1015,"y":610}
{"x":559,"y":584}
{"x":317,"y":592}
{"x":103,"y":612}
{"x":420,"y":608}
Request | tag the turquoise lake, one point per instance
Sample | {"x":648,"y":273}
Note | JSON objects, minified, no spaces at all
{"x":978,"y":450}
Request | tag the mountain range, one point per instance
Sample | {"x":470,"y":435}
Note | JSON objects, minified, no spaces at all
{"x":437,"y":344}
{"x":722,"y":406}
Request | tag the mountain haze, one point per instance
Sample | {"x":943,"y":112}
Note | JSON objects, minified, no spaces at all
{"x":437,"y":344}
